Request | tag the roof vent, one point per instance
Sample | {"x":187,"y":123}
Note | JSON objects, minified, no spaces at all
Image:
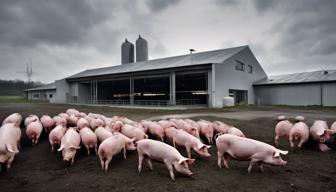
{"x":325,"y":73}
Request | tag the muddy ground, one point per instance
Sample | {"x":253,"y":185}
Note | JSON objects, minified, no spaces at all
{"x":37,"y":169}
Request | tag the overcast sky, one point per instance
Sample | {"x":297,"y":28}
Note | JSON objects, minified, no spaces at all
{"x":64,"y":37}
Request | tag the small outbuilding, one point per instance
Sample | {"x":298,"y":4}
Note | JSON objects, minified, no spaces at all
{"x":45,"y":92}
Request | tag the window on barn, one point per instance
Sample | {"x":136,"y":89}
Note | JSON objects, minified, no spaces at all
{"x":240,"y":66}
{"x":50,"y":96}
{"x":36,"y":95}
{"x":250,"y":69}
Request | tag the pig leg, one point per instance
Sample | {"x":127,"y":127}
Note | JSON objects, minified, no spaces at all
{"x":124,"y":149}
{"x":323,"y":147}
{"x":188,"y":151}
{"x":225,"y":158}
{"x":261,"y":167}
{"x":171,"y":169}
{"x":52,"y":148}
{"x":107,"y":162}
{"x":10,"y":160}
{"x":141,"y":158}
{"x":88,"y":149}
{"x":276,"y":140}
{"x":102,"y":162}
{"x":149,"y":162}
{"x":96,"y":149}
{"x":301,"y":143}
{"x":252,"y":162}
{"x":220,"y":159}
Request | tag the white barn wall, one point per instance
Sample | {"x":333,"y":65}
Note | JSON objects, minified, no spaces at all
{"x":62,"y":90}
{"x":295,"y":94}
{"x":329,"y":94}
{"x":227,"y":77}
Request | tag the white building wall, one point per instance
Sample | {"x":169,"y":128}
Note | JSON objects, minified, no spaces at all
{"x":329,"y":94}
{"x":227,"y":77}
{"x":84,"y":93}
{"x":295,"y":94}
{"x":62,"y":91}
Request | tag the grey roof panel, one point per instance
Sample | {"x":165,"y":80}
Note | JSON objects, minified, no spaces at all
{"x":314,"y":76}
{"x":216,"y":56}
{"x":43,"y":87}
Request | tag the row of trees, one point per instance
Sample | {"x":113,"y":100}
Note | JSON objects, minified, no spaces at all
{"x":16,"y":87}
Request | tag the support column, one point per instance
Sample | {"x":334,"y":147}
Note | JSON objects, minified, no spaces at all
{"x":131,"y":80}
{"x":172,"y":88}
{"x":94,"y":91}
{"x":213,"y":86}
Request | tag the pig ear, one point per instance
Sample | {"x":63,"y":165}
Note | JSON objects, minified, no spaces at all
{"x":61,"y":148}
{"x":276,"y":154}
{"x":283,"y":152}
{"x":329,"y":131}
{"x":133,"y":139}
{"x":187,"y":160}
{"x":11,"y":149}
{"x":73,"y":148}
{"x":205,"y":146}
{"x":194,"y":129}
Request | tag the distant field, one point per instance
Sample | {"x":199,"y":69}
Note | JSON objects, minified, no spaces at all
{"x":18,"y":99}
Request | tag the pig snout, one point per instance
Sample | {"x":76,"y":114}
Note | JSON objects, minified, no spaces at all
{"x":66,"y":159}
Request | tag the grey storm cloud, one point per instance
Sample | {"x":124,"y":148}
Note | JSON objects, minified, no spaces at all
{"x":26,"y":23}
{"x":67,"y":36}
{"x":157,"y":5}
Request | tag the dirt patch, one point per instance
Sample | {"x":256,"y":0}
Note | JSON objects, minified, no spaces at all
{"x":37,"y":169}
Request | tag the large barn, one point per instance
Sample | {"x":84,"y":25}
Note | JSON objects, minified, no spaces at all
{"x":198,"y":79}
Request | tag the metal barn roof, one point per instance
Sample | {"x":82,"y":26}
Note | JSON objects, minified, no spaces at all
{"x":216,"y":56}
{"x":306,"y":77}
{"x":50,"y":86}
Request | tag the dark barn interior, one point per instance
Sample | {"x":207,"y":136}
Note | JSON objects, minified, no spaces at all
{"x":115,"y":90}
{"x":152,"y":88}
{"x":191,"y":89}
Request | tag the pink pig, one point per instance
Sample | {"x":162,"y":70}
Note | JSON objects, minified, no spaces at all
{"x":56,"y":135}
{"x":60,"y":121}
{"x":69,"y":144}
{"x":89,"y":139}
{"x":282,"y":129}
{"x":73,"y":112}
{"x":10,"y":135}
{"x":299,"y":131}
{"x":81,"y":123}
{"x":65,"y":116}
{"x":220,"y":127}
{"x":206,"y":130}
{"x":133,"y":132}
{"x":165,"y":124}
{"x":169,"y":133}
{"x":31,"y":118}
{"x":34,"y":131}
{"x":299,"y":118}
{"x":333,"y":126}
{"x":102,"y":134}
{"x":320,"y":132}
{"x":96,"y":123}
{"x":183,"y":138}
{"x":114,"y":126}
{"x":73,"y":119}
{"x":245,"y":149}
{"x":187,"y":127}
{"x":47,"y":123}
{"x":193,"y":123}
{"x":155,"y":150}
{"x":280,"y":117}
{"x":112,"y":146}
{"x":236,"y":131}
{"x":154,"y":128}
{"x":15,"y":118}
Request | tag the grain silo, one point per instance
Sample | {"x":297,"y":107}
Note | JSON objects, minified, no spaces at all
{"x":127,"y":52}
{"x":141,"y":49}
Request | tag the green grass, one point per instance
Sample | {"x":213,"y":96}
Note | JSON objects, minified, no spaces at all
{"x":18,"y":99}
